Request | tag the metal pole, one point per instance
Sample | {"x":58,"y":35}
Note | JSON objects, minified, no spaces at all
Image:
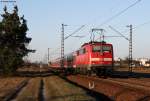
{"x":62,"y":46}
{"x":102,"y":35}
{"x":130,"y":44}
{"x":130,"y":48}
{"x":48,"y":56}
{"x":102,"y":40}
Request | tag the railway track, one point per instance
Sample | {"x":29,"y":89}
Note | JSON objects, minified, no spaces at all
{"x":131,"y":83}
{"x":118,"y":90}
{"x":122,"y":88}
{"x":142,"y":83}
{"x":134,"y":83}
{"x":34,"y":74}
{"x":9,"y":92}
{"x":50,"y":88}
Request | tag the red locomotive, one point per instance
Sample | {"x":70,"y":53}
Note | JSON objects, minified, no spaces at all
{"x":92,"y":57}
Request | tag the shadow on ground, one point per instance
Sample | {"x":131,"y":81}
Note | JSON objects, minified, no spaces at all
{"x":127,"y":74}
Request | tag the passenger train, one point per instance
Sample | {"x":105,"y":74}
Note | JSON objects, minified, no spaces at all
{"x":92,"y":57}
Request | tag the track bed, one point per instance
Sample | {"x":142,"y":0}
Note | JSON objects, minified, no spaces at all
{"x":50,"y":88}
{"x":118,"y":91}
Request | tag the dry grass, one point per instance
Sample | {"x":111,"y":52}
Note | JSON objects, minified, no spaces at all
{"x":56,"y":89}
{"x":30,"y":92}
{"x":8,"y":85}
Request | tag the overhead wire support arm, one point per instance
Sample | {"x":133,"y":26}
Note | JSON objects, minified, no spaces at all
{"x":77,"y":36}
{"x":130,"y":44}
{"x":96,"y":29}
{"x":119,"y":33}
{"x":74,"y":32}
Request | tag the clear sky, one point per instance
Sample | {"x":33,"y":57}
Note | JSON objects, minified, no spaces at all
{"x":44,"y":19}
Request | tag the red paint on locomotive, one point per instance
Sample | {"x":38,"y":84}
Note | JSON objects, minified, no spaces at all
{"x":94,"y":55}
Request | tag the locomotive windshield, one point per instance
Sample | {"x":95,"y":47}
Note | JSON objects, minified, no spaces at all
{"x":101,"y":48}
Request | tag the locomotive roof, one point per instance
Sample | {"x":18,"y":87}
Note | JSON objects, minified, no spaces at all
{"x":94,"y":42}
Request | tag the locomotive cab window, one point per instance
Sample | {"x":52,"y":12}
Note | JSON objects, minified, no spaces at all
{"x":82,"y":51}
{"x":101,"y":48}
{"x":107,"y":48}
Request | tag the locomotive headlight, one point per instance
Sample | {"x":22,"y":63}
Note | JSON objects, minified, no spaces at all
{"x":107,"y":59}
{"x":93,"y":63}
{"x":95,"y":59}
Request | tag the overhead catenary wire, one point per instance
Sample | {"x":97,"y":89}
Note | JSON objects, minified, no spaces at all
{"x":107,"y":20}
{"x":119,"y":13}
{"x":119,"y":33}
{"x":70,"y":35}
{"x":141,"y":25}
{"x":116,"y":15}
{"x":74,"y":32}
{"x":136,"y":27}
